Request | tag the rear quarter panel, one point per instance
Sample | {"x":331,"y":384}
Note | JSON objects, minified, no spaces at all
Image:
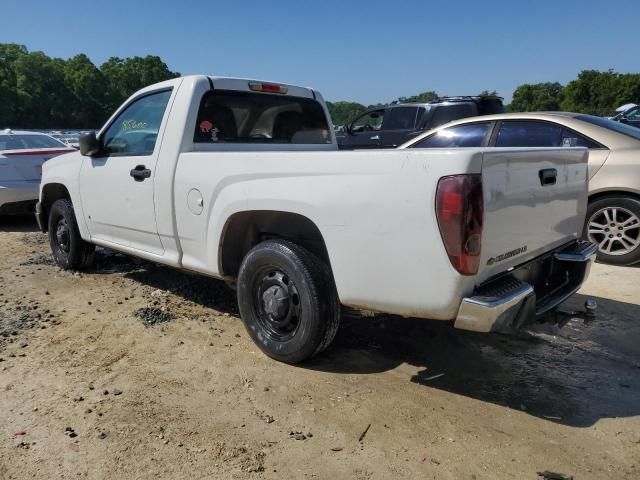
{"x":375,"y":210}
{"x":620,"y":173}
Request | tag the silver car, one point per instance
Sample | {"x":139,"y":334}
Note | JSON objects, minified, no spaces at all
{"x":21,"y":157}
{"x":613,"y":215}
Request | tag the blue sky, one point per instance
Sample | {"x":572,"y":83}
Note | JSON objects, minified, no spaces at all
{"x":349,"y":50}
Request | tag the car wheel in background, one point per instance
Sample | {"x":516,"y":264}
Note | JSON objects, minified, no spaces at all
{"x":288,"y":301}
{"x":69,"y":250}
{"x":613,"y":223}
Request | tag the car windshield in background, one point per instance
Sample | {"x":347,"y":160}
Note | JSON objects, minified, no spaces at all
{"x":239,"y":117}
{"x":22,"y":142}
{"x":618,"y":127}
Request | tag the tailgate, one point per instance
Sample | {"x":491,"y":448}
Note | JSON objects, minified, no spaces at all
{"x":534,"y":201}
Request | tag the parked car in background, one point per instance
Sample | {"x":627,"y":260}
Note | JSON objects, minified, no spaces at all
{"x":69,"y":139}
{"x":21,"y":157}
{"x":613,"y":215}
{"x":630,"y":116}
{"x":393,"y":125}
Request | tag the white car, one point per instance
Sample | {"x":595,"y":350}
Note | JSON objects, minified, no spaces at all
{"x":242,"y":180}
{"x":21,"y":157}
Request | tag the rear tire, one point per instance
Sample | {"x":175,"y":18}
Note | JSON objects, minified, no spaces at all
{"x":69,"y":250}
{"x":613,"y":223}
{"x":288,"y":301}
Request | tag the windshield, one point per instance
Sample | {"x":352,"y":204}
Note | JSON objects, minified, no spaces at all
{"x":617,"y":127}
{"x":20,"y":142}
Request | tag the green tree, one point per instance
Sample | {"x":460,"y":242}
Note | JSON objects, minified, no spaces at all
{"x":600,"y":93}
{"x":488,"y":93}
{"x":342,"y":112}
{"x":125,"y":76}
{"x":88,"y":96}
{"x":537,"y":97}
{"x":37,"y":91}
{"x":421,"y":97}
{"x":9,"y":99}
{"x":43,"y":96}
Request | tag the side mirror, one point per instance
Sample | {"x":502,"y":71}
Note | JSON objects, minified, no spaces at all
{"x":89,"y":144}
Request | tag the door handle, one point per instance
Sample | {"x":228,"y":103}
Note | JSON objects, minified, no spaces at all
{"x":548,"y":176}
{"x":140,"y":173}
{"x":375,"y":137}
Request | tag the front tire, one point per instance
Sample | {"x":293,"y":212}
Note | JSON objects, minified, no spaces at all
{"x":613,"y":223}
{"x":69,"y":250}
{"x":288,"y":301}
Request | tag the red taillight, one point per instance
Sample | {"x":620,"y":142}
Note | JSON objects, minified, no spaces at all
{"x":268,"y":87}
{"x":459,"y":210}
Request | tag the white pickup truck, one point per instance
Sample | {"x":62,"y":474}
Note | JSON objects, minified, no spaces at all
{"x":242,"y":180}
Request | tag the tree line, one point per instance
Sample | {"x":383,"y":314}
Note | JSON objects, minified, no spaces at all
{"x":37,"y":91}
{"x":593,"y":92}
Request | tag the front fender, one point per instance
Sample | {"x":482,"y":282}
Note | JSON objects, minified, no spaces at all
{"x":64,"y":171}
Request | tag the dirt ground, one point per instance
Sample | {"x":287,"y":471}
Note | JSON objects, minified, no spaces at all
{"x":134,"y":370}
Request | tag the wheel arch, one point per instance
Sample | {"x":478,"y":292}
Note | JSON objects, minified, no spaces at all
{"x":243,"y":230}
{"x":50,"y":193}
{"x":614,"y":193}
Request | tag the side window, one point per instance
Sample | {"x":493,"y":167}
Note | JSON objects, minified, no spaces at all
{"x":448,"y":113}
{"x":135,"y":130}
{"x":471,"y":135}
{"x":573,"y":139}
{"x":633,"y":114}
{"x":400,"y":118}
{"x":529,"y":134}
{"x":368,"y":122}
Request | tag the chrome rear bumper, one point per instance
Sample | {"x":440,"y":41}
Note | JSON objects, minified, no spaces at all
{"x":529,"y":291}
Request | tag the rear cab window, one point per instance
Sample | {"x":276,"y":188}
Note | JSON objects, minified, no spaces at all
{"x":230,"y":116}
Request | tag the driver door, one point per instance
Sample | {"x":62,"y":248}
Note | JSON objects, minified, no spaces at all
{"x":365,"y":129}
{"x":116,"y":187}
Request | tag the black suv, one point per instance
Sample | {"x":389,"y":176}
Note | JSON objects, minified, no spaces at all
{"x":393,"y":125}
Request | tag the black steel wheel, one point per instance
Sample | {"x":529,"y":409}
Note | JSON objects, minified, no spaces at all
{"x":287,"y":300}
{"x":69,"y":250}
{"x":277,"y":303}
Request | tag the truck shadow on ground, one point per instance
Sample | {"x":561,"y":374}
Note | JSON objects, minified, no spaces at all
{"x":18,"y":223}
{"x":205,"y":291}
{"x":574,"y":376}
